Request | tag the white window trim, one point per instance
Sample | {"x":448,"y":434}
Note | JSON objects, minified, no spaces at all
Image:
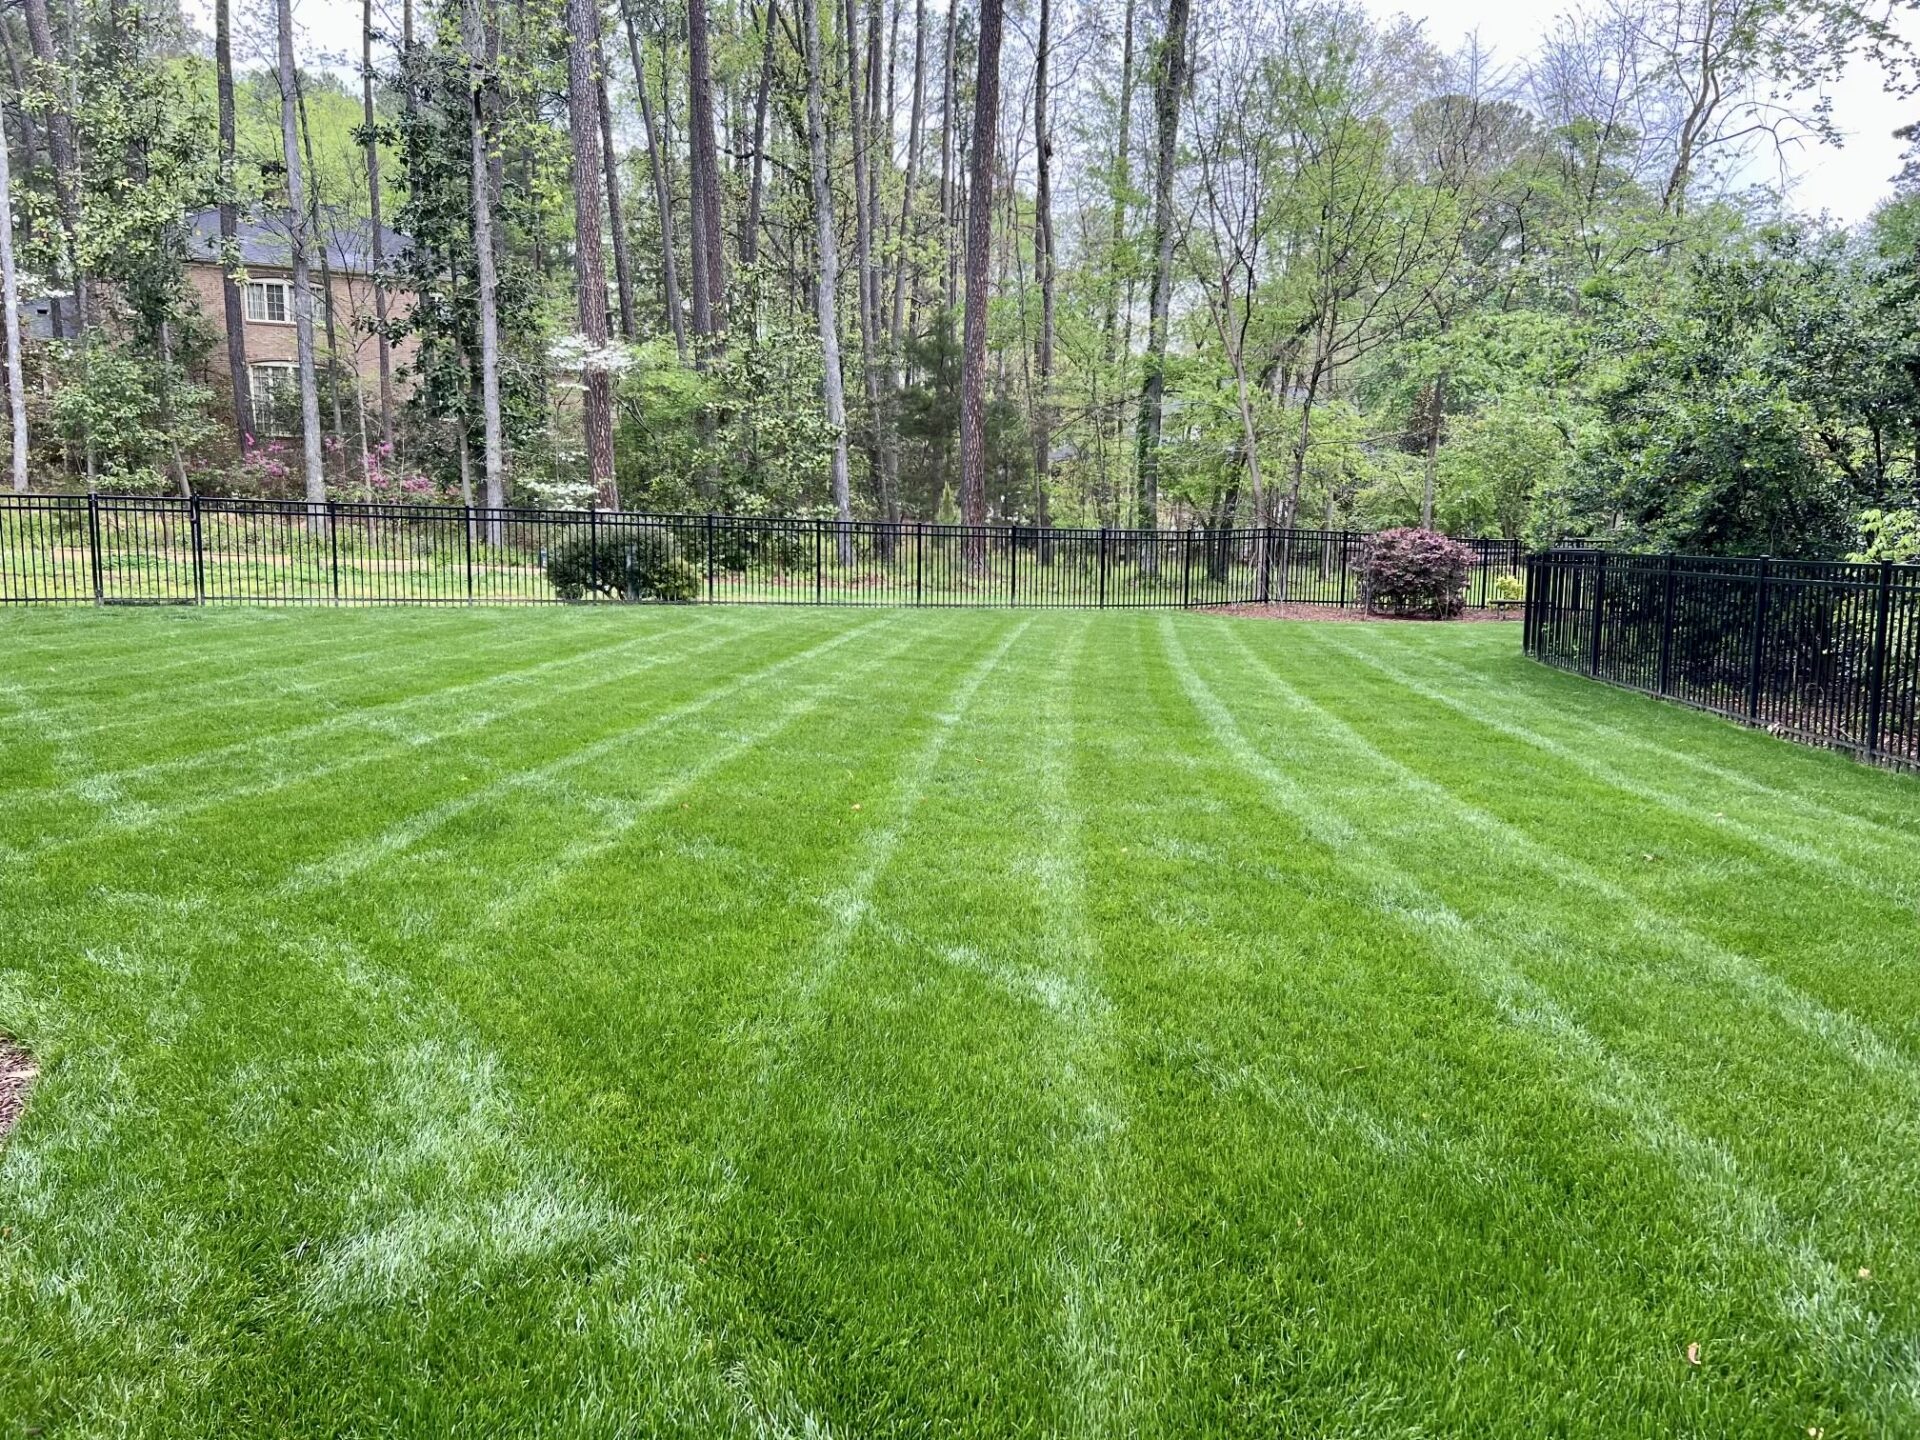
{"x":286,"y":289}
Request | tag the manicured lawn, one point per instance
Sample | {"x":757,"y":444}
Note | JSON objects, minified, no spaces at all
{"x":596,"y":1022}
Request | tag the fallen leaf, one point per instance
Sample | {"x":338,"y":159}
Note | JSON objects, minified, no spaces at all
{"x":1865,"y":1273}
{"x":856,"y":807}
{"x":1693,"y":1353}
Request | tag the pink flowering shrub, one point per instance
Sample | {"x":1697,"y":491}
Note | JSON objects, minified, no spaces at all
{"x":1417,"y":572}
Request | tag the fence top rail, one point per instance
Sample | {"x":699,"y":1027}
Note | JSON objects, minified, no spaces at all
{"x":1734,"y":566}
{"x":303,"y":511}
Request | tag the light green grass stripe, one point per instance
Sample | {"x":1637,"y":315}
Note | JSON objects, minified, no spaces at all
{"x":778,"y":1036}
{"x":1850,"y":1037}
{"x":343,"y":864}
{"x":358,"y":717}
{"x":617,"y":821}
{"x":260,"y":656}
{"x":204,"y":640}
{"x":1105,"y":1320}
{"x":264,"y":684}
{"x":1829,"y":1321}
{"x":847,"y":905}
{"x":1545,"y":715}
{"x":456,"y":1181}
{"x":136,"y":817}
{"x":1848,"y":873}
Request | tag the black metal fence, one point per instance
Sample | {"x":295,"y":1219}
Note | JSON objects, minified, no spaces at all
{"x":127,"y":550}
{"x":1819,"y":651}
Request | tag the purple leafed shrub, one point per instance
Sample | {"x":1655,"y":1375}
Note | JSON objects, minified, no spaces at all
{"x":1417,"y":572}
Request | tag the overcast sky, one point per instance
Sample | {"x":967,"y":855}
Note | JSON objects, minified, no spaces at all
{"x":1846,"y":182}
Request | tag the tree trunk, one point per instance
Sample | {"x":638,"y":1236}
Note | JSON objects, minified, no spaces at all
{"x":232,"y":301}
{"x":1169,"y":83}
{"x":10,"y":297}
{"x":879,"y":154}
{"x":59,"y":128}
{"x":1436,"y":413}
{"x":973,"y":352}
{"x":662,"y":195}
{"x":616,"y":216}
{"x":1120,"y":184}
{"x":826,"y":306}
{"x":1043,"y":265}
{"x":756,"y":185}
{"x":326,"y":269}
{"x":897,"y":332}
{"x":30,"y":138}
{"x":316,"y":479}
{"x":709,"y":258}
{"x":494,"y":448}
{"x":949,"y":202}
{"x":860,"y":137}
{"x":590,"y":266}
{"x":382,"y":346}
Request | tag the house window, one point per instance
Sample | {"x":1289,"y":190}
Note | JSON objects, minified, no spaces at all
{"x":276,"y":399}
{"x":270,"y":301}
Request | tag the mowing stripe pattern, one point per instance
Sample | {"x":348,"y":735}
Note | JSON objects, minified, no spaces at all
{"x":892,"y":1023}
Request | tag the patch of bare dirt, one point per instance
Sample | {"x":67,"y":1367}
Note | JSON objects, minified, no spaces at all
{"x":17,"y":1073}
{"x":1355,"y":616}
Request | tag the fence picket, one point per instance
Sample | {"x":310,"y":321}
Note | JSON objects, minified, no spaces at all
{"x":216,"y":550}
{"x":1826,"y":652}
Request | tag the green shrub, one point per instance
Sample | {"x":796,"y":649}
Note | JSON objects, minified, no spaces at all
{"x":1509,"y":588}
{"x":740,"y":547}
{"x":622,"y":563}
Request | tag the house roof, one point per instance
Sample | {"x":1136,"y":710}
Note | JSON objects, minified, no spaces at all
{"x":263,"y":240}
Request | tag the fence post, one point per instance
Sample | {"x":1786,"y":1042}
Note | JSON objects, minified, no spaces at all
{"x":919,"y":559}
{"x":1186,"y":569}
{"x":333,"y":548}
{"x":710,"y":557}
{"x":93,"y":547}
{"x":1103,"y":568}
{"x":1877,"y":659}
{"x":1527,"y":563}
{"x":199,"y":564}
{"x":593,"y":545}
{"x":1013,"y":565}
{"x":468,"y":532}
{"x":819,"y":561}
{"x":1760,"y":597}
{"x":1599,"y":612}
{"x":1665,"y":683}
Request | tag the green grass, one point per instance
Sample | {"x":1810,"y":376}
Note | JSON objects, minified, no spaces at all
{"x":592,"y":1022}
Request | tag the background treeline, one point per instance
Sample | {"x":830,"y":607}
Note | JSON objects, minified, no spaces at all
{"x":1123,"y":262}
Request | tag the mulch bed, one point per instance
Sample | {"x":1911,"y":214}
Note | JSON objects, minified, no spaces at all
{"x":1337,"y":612}
{"x":17,"y":1072}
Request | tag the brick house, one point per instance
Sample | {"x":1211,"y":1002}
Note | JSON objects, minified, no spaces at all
{"x":267,"y":296}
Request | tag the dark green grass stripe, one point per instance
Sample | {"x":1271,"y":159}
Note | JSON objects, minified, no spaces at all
{"x":237,"y":657}
{"x":421,"y":686}
{"x":410,"y":748}
{"x":1516,"y":715}
{"x":1556,"y":854}
{"x":1782,"y":851}
{"x":341,"y":679}
{"x":1322,"y":1107}
{"x":94,"y":647}
{"x":1815,"y":1305}
{"x":452,"y":1166}
{"x":343,"y":864}
{"x":1737,"y":753}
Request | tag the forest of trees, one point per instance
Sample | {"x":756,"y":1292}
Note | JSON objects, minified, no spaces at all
{"x":1143,"y":263}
